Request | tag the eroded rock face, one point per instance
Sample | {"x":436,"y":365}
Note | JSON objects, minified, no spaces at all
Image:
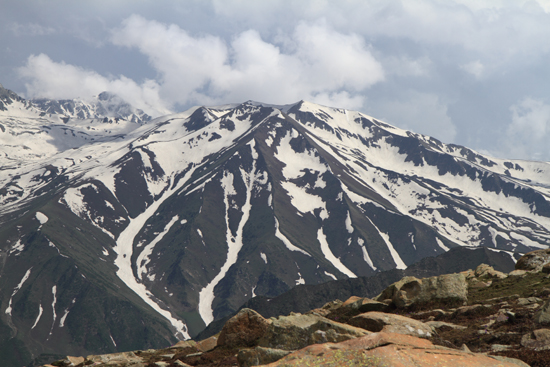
{"x":389,"y":349}
{"x":297,"y":331}
{"x":534,"y":260}
{"x":244,"y":329}
{"x":379,"y":321}
{"x":409,"y":290}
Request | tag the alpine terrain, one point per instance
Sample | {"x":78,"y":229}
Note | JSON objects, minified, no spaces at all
{"x":119,"y":232}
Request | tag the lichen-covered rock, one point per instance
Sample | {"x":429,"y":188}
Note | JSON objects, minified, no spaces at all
{"x":244,"y":329}
{"x":486,"y":271}
{"x":297,"y":331}
{"x":379,"y":321}
{"x":443,"y":288}
{"x":534,"y":260}
{"x":388,"y":349}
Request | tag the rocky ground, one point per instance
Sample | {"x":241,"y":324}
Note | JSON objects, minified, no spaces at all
{"x":480,"y":317}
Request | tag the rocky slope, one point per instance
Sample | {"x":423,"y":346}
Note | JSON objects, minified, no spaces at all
{"x":480,"y":317}
{"x":119,"y":235}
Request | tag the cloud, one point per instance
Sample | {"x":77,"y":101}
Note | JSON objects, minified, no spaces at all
{"x":49,"y":79}
{"x":475,"y":68}
{"x":529,"y":132}
{"x":313,"y":62}
{"x":30,"y":29}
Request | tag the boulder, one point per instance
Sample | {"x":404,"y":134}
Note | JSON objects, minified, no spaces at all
{"x":388,"y":349}
{"x":537,"y":340}
{"x":390,"y":323}
{"x":517,"y":273}
{"x":207,"y":344}
{"x":259,"y":356}
{"x":297,"y":331}
{"x":486,"y":271}
{"x":364,"y":305}
{"x":534,"y":260}
{"x":543,"y":313}
{"x":411,"y":290}
{"x":244,"y":329}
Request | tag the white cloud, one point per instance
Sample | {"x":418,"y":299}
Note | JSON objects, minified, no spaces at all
{"x":315,"y":62}
{"x":475,"y":68}
{"x":49,"y":79}
{"x":529,"y":132}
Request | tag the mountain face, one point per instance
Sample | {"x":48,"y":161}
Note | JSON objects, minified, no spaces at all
{"x":121,"y":234}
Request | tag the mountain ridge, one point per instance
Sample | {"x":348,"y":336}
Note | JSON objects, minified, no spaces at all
{"x":184,"y":218}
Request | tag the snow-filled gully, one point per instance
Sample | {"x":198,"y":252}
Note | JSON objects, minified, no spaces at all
{"x":234,"y":243}
{"x":124,"y":250}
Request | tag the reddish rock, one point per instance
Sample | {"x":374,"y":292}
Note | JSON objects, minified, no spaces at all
{"x":207,"y":344}
{"x":243,"y":329}
{"x":388,"y":349}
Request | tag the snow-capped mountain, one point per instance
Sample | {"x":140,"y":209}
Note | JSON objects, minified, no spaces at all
{"x":120,"y":235}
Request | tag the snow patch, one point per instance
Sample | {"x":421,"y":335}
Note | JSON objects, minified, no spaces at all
{"x":331,"y":275}
{"x":264,"y":257}
{"x":16,"y":289}
{"x":63,"y":318}
{"x":286,"y":241}
{"x":40,"y":310}
{"x":42,"y":218}
{"x":349,"y":227}
{"x":300,"y":280}
{"x":366,"y":256}
{"x":17,"y":248}
{"x":325,"y":249}
{"x":54,"y":301}
{"x":399,"y":264}
{"x":441,"y":244}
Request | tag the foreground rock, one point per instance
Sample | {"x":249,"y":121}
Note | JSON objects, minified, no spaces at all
{"x":389,"y":349}
{"x":534,"y":260}
{"x":298,"y":331}
{"x":443,"y":288}
{"x":416,"y":325}
{"x":244,"y":329}
{"x":379,"y":321}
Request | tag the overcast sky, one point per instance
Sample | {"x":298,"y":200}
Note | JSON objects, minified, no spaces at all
{"x":469,"y":72}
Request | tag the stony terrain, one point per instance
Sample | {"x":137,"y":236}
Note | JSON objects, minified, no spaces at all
{"x":479,"y":317}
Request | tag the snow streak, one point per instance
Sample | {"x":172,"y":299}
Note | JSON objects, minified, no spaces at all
{"x":330,"y":256}
{"x":124,"y":250}
{"x":234,"y":243}
{"x":16,"y":289}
